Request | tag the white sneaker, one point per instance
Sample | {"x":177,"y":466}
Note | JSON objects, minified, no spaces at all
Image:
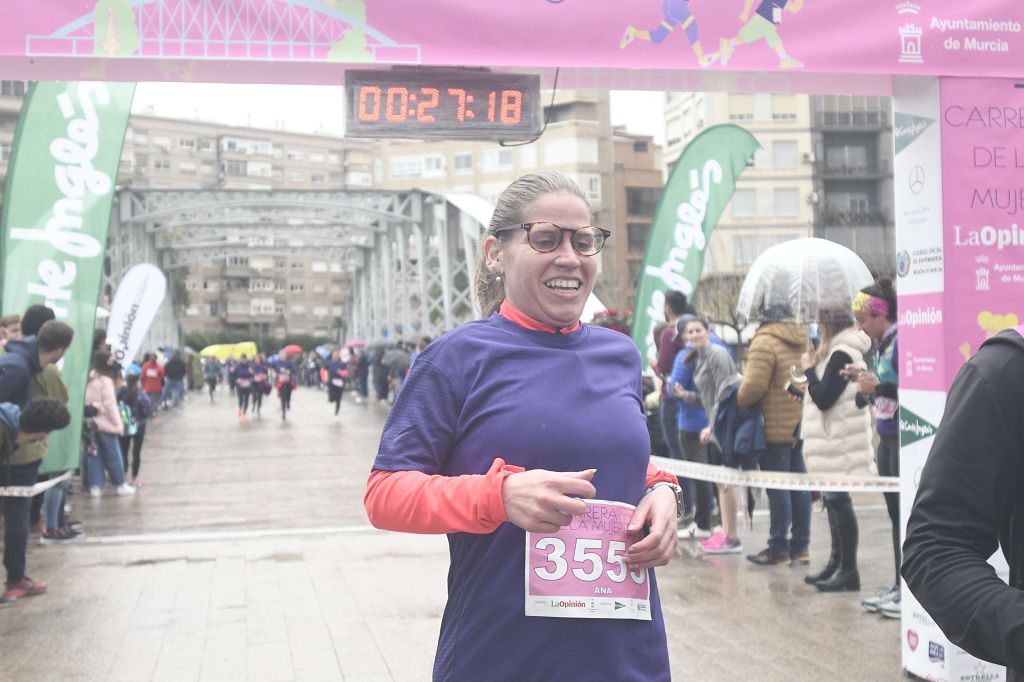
{"x":125,"y":489}
{"x":96,"y":491}
{"x":874,"y":604}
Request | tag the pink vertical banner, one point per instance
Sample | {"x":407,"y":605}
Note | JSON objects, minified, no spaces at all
{"x":983,"y":212}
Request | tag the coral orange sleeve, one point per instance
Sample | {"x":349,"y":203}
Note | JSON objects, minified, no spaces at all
{"x":656,"y":475}
{"x":415,"y":502}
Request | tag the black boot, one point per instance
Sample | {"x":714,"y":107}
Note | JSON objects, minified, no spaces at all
{"x":847,"y":578}
{"x":833,"y":560}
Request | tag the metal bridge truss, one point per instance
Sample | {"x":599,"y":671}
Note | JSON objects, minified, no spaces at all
{"x":293,"y":30}
{"x":409,"y":255}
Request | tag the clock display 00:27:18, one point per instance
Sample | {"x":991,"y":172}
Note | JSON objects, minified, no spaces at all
{"x":397,"y":104}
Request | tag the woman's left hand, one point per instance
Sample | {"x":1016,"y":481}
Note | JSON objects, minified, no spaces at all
{"x":657,"y":510}
{"x":807,"y":360}
{"x":867,"y":383}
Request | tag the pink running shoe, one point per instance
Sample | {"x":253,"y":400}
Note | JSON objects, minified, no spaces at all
{"x":714,"y":541}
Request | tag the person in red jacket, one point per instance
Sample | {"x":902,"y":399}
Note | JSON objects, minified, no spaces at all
{"x":152,"y":382}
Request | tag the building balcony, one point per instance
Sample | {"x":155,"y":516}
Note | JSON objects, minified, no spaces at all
{"x":841,"y":171}
{"x":846,"y":120}
{"x":831,"y":218}
{"x":239,"y":271}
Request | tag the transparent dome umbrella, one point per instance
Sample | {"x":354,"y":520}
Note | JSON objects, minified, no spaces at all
{"x":804,"y":280}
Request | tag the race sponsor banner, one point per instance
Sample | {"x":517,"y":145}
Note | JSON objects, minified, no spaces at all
{"x":58,"y":194}
{"x":700,"y":186}
{"x":250,"y":40}
{"x":579,"y":571}
{"x":136,"y":302}
{"x":983,"y":201}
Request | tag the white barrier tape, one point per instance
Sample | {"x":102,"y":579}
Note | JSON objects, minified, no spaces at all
{"x":777,"y":480}
{"x":33,"y":490}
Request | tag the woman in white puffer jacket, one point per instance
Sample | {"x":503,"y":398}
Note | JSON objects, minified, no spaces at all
{"x":101,"y":392}
{"x":837,"y":437}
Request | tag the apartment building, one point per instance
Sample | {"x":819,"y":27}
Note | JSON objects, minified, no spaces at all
{"x":638,"y":185}
{"x":853,"y":162}
{"x":287,"y":294}
{"x":261,"y":296}
{"x":775,"y":198}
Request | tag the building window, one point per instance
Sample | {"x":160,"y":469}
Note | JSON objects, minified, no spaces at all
{"x":12,"y":88}
{"x":787,"y":202}
{"x":784,"y":154}
{"x":746,"y":248}
{"x":298,"y":309}
{"x":406,"y":167}
{"x":214,"y":308}
{"x":590,"y":183}
{"x":210,"y":285}
{"x":296,"y":288}
{"x":162,"y":164}
{"x":571,"y":150}
{"x":191,"y":285}
{"x":741,"y":107}
{"x":162,"y":142}
{"x":316,"y":157}
{"x":187,"y":168}
{"x":204,"y":144}
{"x":5,"y":152}
{"x":238,"y":307}
{"x":636,"y":233}
{"x":298,"y":265}
{"x":846,"y":157}
{"x":187,"y":143}
{"x":295,"y":177}
{"x":192,"y":310}
{"x":784,"y":107}
{"x":294,"y":155}
{"x":320,"y":311}
{"x":642,"y":200}
{"x":279,"y":308}
{"x":433,"y":166}
{"x":318,"y":179}
{"x":744,"y":203}
{"x":237,"y":261}
{"x":318,"y":266}
{"x":492,"y":160}
{"x":232,"y":167}
{"x":640,"y":146}
{"x":462,"y":162}
{"x":280,"y":262}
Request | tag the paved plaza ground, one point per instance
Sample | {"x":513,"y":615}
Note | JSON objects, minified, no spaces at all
{"x":247,"y":556}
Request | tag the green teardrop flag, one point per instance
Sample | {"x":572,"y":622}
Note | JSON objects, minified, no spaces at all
{"x":700,"y":185}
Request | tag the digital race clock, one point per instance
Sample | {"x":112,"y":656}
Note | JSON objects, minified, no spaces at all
{"x":442,"y":103}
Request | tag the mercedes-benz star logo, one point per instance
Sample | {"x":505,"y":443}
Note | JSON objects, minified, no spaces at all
{"x":916,"y":179}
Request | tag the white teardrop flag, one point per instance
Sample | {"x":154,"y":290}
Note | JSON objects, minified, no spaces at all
{"x":135,"y":304}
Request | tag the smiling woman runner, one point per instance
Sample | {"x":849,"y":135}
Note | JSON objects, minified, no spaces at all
{"x":523,"y":436}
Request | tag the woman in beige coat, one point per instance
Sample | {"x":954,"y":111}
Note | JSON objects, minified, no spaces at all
{"x":837,"y":438}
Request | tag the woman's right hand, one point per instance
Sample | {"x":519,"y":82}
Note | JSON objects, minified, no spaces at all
{"x":539,"y":500}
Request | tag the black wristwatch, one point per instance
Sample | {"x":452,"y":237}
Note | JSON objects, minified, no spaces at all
{"x":678,"y":493}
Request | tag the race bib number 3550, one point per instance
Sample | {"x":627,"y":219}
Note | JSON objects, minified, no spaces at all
{"x":580,"y":572}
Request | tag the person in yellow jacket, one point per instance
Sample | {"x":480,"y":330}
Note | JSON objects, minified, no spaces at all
{"x":777,"y":346}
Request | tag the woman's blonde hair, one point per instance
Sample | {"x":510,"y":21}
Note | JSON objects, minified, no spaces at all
{"x":512,"y":204}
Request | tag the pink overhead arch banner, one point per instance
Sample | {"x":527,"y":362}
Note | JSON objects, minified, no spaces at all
{"x":642,"y":43}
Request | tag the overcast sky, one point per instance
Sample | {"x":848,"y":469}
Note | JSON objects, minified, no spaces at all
{"x":310,"y":109}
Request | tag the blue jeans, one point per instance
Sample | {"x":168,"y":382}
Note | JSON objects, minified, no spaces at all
{"x":787,"y":507}
{"x":108,"y":458}
{"x":669,"y":413}
{"x":174,"y":389}
{"x":16,"y":511}
{"x":53,"y":504}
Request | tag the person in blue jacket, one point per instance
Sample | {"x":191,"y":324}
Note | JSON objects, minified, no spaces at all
{"x":337,"y":371}
{"x":692,"y":420}
{"x":260,"y":383}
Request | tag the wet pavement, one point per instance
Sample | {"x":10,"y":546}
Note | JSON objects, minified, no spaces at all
{"x":247,"y":555}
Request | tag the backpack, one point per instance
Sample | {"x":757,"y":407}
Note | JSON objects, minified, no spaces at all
{"x":131,"y":427}
{"x":739,"y":432}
